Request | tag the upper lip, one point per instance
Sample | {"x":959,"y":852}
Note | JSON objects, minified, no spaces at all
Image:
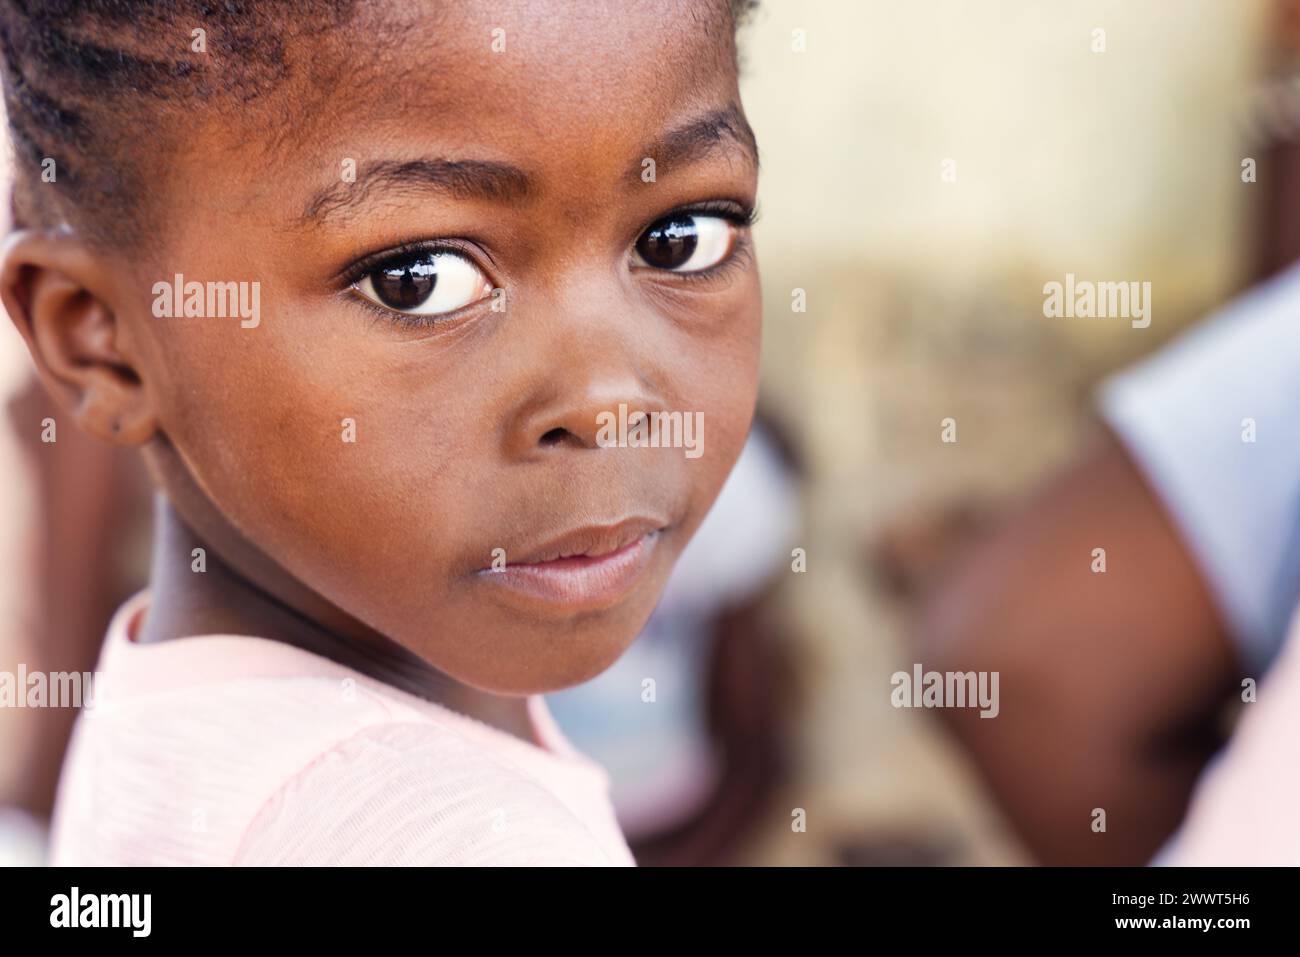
{"x":590,"y":541}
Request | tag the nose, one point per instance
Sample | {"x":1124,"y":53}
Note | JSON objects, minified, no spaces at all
{"x":582,"y":377}
{"x":583,"y":353}
{"x":589,"y":413}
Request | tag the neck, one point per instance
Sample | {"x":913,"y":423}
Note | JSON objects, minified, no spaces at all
{"x":223,"y":600}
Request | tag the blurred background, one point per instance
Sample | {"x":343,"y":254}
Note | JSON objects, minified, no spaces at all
{"x":927,"y":168}
{"x":925,"y":300}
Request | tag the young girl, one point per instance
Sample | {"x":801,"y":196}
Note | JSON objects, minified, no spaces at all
{"x":366,"y":283}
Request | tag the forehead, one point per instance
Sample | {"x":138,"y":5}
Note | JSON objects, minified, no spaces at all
{"x":563,"y":51}
{"x":558,"y":88}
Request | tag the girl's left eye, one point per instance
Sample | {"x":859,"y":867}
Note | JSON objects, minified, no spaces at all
{"x":686,"y":242}
{"x":424,"y":283}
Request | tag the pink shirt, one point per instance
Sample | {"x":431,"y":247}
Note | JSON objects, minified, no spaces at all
{"x":226,"y":749}
{"x":1243,"y":811}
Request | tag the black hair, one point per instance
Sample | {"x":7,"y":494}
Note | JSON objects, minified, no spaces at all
{"x":87,"y":82}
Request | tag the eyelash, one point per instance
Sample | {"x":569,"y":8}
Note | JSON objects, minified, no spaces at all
{"x":362,"y":267}
{"x":739,"y":214}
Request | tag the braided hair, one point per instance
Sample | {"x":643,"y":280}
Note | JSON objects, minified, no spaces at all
{"x":88,"y":82}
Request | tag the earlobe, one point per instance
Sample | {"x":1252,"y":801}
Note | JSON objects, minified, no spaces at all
{"x":53,"y":290}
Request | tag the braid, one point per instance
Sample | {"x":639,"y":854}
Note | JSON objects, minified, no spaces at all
{"x":85,"y":81}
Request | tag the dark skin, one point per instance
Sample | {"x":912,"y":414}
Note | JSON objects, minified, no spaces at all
{"x":474,"y":432}
{"x":1112,"y":686}
{"x":1123,"y":682}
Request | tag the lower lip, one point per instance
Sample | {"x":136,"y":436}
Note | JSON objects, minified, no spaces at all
{"x":580,"y":583}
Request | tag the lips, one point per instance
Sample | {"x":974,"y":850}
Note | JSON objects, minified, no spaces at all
{"x":586,"y":569}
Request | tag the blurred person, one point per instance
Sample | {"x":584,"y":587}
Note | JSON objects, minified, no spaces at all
{"x":1114,"y":685}
{"x":1120,"y":688}
{"x":89,"y":505}
{"x":1242,"y":812}
{"x":70,"y":515}
{"x":17,"y":549}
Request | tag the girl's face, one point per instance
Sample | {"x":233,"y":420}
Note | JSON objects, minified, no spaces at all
{"x":545,"y":223}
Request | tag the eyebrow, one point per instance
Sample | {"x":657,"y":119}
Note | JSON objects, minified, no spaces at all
{"x":463,"y":179}
{"x":720,"y":130}
{"x":502,"y":182}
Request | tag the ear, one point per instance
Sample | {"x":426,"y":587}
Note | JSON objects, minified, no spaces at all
{"x":56,"y":291}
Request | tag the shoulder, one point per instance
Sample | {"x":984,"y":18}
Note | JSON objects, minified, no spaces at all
{"x":173,"y":777}
{"x":1207,"y":420}
{"x":415,"y":793}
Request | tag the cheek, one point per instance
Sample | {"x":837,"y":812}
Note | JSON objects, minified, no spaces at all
{"x":719,"y":378}
{"x":344,"y":466}
{"x":722,"y":358}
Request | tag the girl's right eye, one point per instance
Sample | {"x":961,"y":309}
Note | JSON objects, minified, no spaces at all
{"x":424,"y":283}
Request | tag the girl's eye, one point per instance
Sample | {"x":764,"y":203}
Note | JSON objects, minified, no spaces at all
{"x":686,"y":242}
{"x":425,"y":283}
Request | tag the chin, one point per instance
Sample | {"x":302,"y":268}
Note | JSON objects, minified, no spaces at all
{"x":531,"y":657}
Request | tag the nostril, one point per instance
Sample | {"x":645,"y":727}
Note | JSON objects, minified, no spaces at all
{"x":554,"y":437}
